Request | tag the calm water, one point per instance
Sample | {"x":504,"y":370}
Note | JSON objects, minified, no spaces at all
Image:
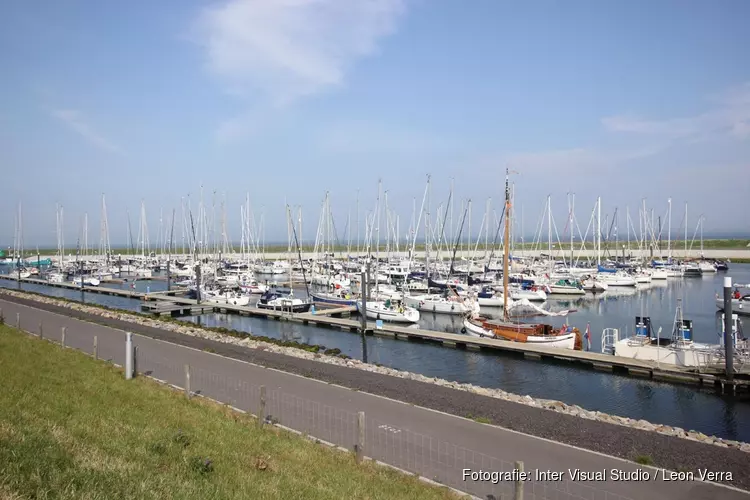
{"x":683,"y":406}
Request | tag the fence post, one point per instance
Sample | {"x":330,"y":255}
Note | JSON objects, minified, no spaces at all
{"x":519,"y":482}
{"x":41,"y":331}
{"x":360,"y":448}
{"x":62,"y":338}
{"x":2,"y":317}
{"x":128,"y":355}
{"x":96,"y":347}
{"x":18,"y":320}
{"x":187,"y":381}
{"x":262,"y":411}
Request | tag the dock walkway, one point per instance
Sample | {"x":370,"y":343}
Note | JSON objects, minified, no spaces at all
{"x":323,"y":317}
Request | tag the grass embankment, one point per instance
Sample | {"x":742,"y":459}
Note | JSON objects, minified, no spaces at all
{"x":72,"y":427}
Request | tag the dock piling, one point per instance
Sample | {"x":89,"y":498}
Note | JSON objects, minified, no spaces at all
{"x":728,"y":337}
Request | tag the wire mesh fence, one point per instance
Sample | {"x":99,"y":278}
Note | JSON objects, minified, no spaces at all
{"x":385,"y":441}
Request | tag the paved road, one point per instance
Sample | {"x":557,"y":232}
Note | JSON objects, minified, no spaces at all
{"x":433,"y":444}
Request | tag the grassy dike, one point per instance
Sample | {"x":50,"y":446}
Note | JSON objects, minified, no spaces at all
{"x":72,"y":427}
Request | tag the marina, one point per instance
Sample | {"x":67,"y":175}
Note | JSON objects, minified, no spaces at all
{"x":609,"y":386}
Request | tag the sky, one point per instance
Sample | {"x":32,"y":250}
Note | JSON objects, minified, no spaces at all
{"x":283,"y":101}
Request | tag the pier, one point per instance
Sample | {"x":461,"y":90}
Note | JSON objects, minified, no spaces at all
{"x":173,"y":303}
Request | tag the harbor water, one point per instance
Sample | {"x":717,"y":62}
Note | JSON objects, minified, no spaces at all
{"x":688,"y":407}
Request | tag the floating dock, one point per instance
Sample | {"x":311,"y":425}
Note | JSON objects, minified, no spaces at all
{"x":102,"y":290}
{"x":172,"y":303}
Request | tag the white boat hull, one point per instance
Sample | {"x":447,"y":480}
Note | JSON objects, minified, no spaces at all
{"x":378,"y":310}
{"x":739,"y":306}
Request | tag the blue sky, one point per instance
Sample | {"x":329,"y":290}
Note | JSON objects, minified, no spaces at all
{"x":288,"y":99}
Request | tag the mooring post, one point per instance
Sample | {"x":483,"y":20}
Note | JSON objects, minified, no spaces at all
{"x":62,"y":336}
{"x":128,"y":356}
{"x":360,"y":451}
{"x":728,"y":337}
{"x":96,"y":347}
{"x":187,"y":381}
{"x":518,"y":495}
{"x":363,"y":312}
{"x":262,"y":410}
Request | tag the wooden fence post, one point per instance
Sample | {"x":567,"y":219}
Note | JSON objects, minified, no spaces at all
{"x":18,"y":320}
{"x":96,"y":347}
{"x":41,"y":330}
{"x":62,"y":337}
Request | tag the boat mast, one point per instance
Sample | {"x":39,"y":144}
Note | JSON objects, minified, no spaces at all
{"x":686,"y":225}
{"x":598,"y":231}
{"x":669,"y":230}
{"x":505,"y":248}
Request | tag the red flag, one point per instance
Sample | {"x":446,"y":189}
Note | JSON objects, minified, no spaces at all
{"x":588,"y":337}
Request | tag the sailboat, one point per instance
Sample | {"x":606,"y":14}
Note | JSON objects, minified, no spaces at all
{"x":389,"y":310}
{"x":536,"y":333}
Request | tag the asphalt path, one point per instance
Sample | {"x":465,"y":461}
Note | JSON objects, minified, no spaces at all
{"x":433,"y":444}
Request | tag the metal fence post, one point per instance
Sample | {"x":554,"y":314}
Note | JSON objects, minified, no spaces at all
{"x":18,"y":320}
{"x":360,"y":448}
{"x":518,"y":495}
{"x":41,"y":330}
{"x":62,"y":338}
{"x":96,"y":347}
{"x":262,"y":410}
{"x":128,"y":356}
{"x":187,"y":381}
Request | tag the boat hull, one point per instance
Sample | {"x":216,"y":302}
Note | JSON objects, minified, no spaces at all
{"x":739,"y":306}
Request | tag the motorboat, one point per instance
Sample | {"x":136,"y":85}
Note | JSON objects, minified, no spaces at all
{"x":591,"y":284}
{"x":659,"y":273}
{"x":679,"y":349}
{"x":740,"y":305}
{"x":87,"y":281}
{"x":339,"y":297}
{"x":533,"y":293}
{"x":618,"y":278}
{"x":252,"y":286}
{"x":226,"y":297}
{"x":487,"y":297}
{"x":388,"y":310}
{"x":566,"y":286}
{"x":442,"y":303}
{"x":275,"y":300}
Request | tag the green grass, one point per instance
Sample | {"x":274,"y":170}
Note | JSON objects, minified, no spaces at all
{"x":644,"y":460}
{"x":73,"y":428}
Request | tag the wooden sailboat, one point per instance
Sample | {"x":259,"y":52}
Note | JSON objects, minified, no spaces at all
{"x":538,"y":333}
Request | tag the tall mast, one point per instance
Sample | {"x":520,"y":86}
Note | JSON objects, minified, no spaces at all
{"x":686,"y":245}
{"x":669,"y":230}
{"x":598,"y":231}
{"x":505,"y":247}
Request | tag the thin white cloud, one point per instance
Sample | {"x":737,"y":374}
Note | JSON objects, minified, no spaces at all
{"x":282,"y":50}
{"x":291,"y":48}
{"x":730,"y":114}
{"x":76,"y":120}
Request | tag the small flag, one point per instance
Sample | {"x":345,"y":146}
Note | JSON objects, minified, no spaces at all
{"x":588,"y":337}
